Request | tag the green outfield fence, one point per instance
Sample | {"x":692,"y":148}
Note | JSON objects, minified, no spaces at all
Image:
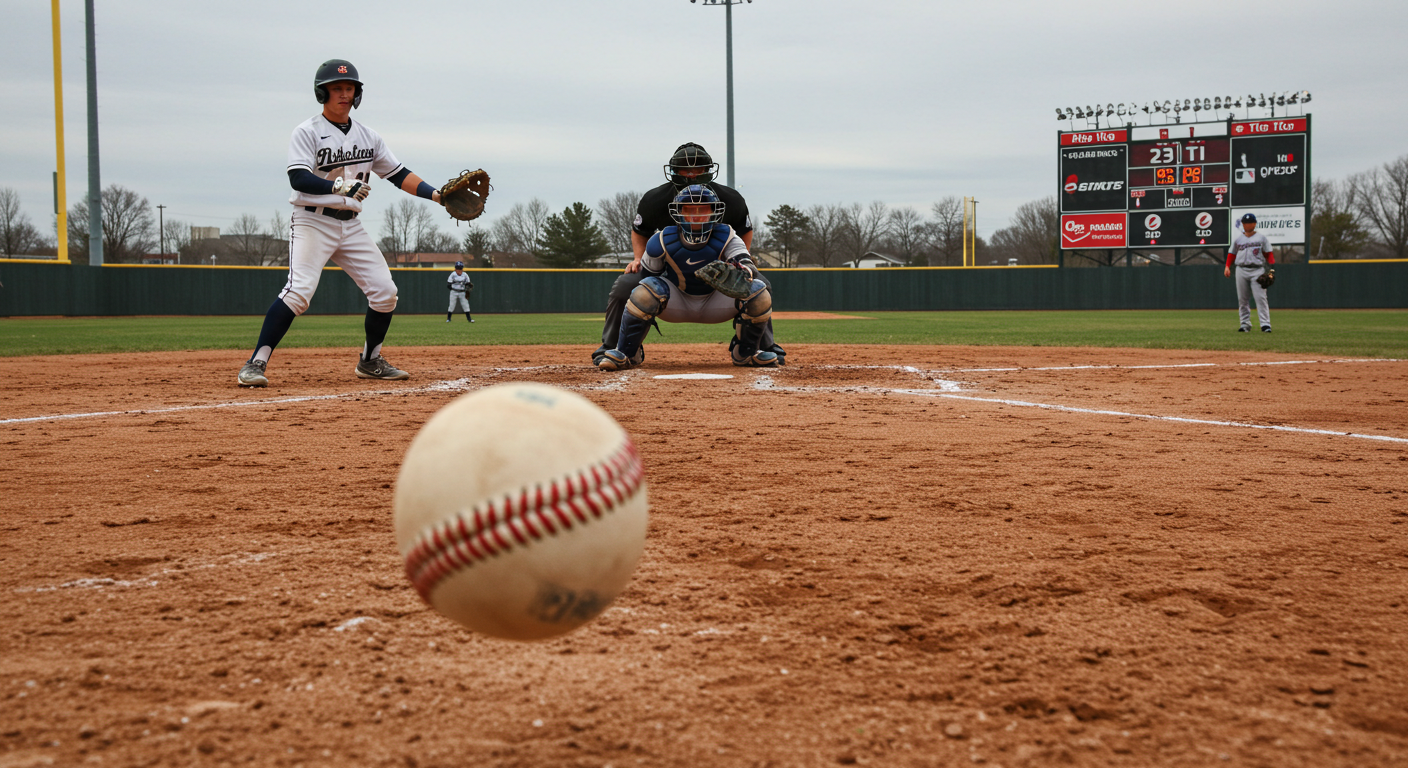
{"x":39,"y":289}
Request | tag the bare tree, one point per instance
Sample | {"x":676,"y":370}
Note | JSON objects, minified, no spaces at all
{"x":1033,"y":234}
{"x":398,"y":231}
{"x":175,"y":236}
{"x":18,"y":235}
{"x":823,"y":240}
{"x":129,"y":228}
{"x":945,"y":231}
{"x":435,"y":240}
{"x":906,"y":236}
{"x":1336,"y":231}
{"x":247,"y":243}
{"x":1381,"y":199}
{"x":616,"y":214}
{"x":520,"y":230}
{"x":862,"y":229}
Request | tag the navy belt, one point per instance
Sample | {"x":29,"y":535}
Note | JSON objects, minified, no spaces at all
{"x":341,"y":214}
{"x":1251,"y":266}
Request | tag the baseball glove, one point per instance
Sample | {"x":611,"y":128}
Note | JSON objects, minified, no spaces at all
{"x":464,"y":195}
{"x":731,"y":281}
{"x":1267,"y":279}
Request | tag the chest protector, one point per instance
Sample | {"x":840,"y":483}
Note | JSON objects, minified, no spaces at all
{"x":681,"y":263}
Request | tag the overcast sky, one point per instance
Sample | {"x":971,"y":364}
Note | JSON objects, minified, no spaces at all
{"x":903,"y":101}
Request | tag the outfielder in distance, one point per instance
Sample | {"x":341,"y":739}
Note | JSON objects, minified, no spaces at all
{"x":690,"y":164}
{"x":460,"y":285}
{"x":1250,"y":254}
{"x":696,"y":271}
{"x":331,"y":160}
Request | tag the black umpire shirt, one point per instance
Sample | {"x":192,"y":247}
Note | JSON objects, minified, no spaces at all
{"x":653,"y":214}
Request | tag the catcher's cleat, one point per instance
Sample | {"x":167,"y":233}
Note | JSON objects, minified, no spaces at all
{"x":616,"y":360}
{"x":760,"y":359}
{"x":636,"y":359}
{"x":378,"y":368}
{"x":252,"y":374}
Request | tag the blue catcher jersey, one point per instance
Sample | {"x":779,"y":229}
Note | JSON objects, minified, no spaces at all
{"x":665,"y":254}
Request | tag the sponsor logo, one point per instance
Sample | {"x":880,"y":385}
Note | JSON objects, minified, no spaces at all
{"x":1074,"y":185}
{"x":639,"y":220}
{"x":692,"y":262}
{"x":1092,"y":230}
{"x":1181,"y":201}
{"x":1091,"y":153}
{"x":1093,"y":137}
{"x":1203,"y":221}
{"x":1278,"y":170}
{"x":1246,"y":175}
{"x":1163,"y":133}
{"x":1153,"y":221}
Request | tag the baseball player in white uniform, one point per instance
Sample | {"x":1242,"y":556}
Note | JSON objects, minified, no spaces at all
{"x":1250,"y":254}
{"x":460,"y":286}
{"x":331,"y":161}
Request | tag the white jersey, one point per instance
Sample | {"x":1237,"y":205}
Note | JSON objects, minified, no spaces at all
{"x":459,"y":281}
{"x":322,"y":148}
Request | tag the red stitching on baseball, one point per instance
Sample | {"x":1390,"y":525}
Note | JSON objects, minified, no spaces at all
{"x":522,"y":517}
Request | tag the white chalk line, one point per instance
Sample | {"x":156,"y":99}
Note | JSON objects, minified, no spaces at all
{"x":1163,"y":365}
{"x":150,"y":580}
{"x":948,"y":388}
{"x":444,"y":385}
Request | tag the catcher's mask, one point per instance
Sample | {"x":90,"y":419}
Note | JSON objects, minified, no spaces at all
{"x":695,"y":210}
{"x":332,"y":71}
{"x":702,"y":168}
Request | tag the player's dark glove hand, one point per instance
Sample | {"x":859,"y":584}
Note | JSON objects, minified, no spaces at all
{"x":1267,"y":278}
{"x":731,"y":281}
{"x":464,"y":195}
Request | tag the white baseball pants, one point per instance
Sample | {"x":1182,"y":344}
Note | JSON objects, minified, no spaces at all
{"x":315,"y":239}
{"x":686,"y":308}
{"x":458,"y":297}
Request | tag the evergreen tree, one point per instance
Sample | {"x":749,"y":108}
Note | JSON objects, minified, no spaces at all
{"x":570,"y":239}
{"x":787,"y":228}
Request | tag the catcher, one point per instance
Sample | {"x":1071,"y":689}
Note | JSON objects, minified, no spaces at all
{"x":1251,"y":254}
{"x":697,"y":271}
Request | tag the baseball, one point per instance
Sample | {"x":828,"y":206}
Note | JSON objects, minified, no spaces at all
{"x":521,"y":511}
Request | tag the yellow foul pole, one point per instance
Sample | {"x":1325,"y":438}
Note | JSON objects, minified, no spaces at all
{"x":965,"y":226}
{"x":60,"y":198}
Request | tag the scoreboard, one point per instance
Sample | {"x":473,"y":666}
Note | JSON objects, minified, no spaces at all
{"x":1184,"y":185}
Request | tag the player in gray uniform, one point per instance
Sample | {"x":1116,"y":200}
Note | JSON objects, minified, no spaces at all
{"x":331,"y":160}
{"x":460,"y":285}
{"x":1250,"y":254}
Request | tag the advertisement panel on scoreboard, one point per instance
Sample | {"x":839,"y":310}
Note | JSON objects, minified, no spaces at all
{"x":1178,"y":229}
{"x":1093,"y":178}
{"x":1282,"y":226}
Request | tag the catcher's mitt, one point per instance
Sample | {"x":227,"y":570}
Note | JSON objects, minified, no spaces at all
{"x":1266,"y":279}
{"x":728,"y":280}
{"x":464,"y":195}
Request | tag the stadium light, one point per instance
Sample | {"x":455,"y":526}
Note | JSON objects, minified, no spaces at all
{"x":728,"y":48}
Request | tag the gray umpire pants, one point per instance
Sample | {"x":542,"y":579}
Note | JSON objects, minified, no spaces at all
{"x":1247,"y":289}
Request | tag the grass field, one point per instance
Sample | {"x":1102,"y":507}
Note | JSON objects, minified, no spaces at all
{"x":1360,"y":333}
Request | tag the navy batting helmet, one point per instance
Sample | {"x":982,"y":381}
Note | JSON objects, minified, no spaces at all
{"x":1249,"y":218}
{"x":691,"y":164}
{"x":695,"y":225}
{"x":331,"y":71}
{"x":459,"y":265}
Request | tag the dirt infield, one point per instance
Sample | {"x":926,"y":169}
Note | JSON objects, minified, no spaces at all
{"x":890,"y":556}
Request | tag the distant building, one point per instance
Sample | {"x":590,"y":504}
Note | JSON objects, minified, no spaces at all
{"x":873,"y":260}
{"x":205,"y":233}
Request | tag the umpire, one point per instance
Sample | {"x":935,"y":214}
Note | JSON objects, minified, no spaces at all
{"x":691,"y":164}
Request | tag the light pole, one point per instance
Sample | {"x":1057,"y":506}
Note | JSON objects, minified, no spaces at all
{"x":728,"y":55}
{"x":161,"y":230}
